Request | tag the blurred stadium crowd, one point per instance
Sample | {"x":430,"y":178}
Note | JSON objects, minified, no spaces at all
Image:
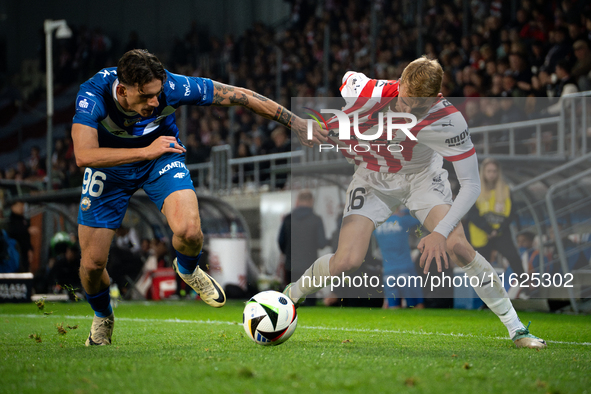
{"x":541,"y":50}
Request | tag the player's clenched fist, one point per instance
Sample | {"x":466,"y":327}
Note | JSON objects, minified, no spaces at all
{"x":162,"y":145}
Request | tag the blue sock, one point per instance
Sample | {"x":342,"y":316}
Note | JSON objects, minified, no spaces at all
{"x":187,"y":264}
{"x":101,"y":303}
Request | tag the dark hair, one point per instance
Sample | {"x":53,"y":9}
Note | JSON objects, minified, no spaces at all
{"x":528,"y":234}
{"x":139,"y":67}
{"x":565,"y":65}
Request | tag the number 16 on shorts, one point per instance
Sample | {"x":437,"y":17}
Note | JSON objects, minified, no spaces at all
{"x":356,"y":198}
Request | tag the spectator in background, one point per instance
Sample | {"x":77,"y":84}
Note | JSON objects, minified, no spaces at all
{"x":125,"y":260}
{"x":565,"y":85}
{"x":196,"y":151}
{"x":127,"y":238}
{"x":75,"y":175}
{"x":581,"y":71}
{"x":36,"y":164}
{"x":575,"y":257}
{"x":20,"y":230}
{"x":530,"y":255}
{"x":301,"y":237}
{"x":392,"y":237}
{"x":22,"y":172}
{"x":281,"y":144}
{"x":64,"y":264}
{"x":155,"y":257}
{"x":559,"y":50}
{"x":491,"y":216}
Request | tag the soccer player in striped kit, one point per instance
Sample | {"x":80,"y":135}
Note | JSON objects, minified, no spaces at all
{"x":413,"y":176}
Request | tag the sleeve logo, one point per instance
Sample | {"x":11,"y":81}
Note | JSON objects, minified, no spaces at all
{"x":85,"y":105}
{"x":187,"y":87}
{"x":458,"y":139}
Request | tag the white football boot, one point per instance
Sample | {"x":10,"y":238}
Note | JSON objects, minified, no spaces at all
{"x":208,"y":289}
{"x":523,"y":338}
{"x":101,"y":331}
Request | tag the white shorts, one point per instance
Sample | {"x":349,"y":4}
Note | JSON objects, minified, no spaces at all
{"x":376,"y":195}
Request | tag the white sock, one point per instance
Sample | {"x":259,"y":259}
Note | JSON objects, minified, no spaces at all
{"x":492,"y":293}
{"x":512,"y":322}
{"x":313,"y":279}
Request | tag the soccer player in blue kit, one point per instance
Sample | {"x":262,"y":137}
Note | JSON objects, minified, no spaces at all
{"x":392,"y":237}
{"x":124,"y":133}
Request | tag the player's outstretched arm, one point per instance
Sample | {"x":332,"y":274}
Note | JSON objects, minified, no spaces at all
{"x":89,"y":154}
{"x":227,"y":95}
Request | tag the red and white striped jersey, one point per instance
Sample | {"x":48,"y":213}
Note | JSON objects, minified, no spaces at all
{"x":441,"y":133}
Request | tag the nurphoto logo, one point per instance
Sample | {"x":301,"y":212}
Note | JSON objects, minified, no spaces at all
{"x":344,"y":128}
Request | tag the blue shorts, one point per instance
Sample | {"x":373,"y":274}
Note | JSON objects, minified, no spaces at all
{"x":409,"y":290}
{"x":106,"y":191}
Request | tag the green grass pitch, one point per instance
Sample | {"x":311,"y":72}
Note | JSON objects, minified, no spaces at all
{"x":188,"y":347}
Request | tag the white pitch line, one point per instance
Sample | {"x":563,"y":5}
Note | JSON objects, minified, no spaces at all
{"x":220,"y":322}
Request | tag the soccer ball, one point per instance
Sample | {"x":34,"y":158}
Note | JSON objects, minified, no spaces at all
{"x":269,"y":318}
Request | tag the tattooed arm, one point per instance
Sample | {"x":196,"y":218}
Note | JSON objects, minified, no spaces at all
{"x":227,"y":95}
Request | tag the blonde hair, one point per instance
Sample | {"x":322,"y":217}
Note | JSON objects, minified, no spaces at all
{"x":500,"y":187}
{"x":422,"y":77}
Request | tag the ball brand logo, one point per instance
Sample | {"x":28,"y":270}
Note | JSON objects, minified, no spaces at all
{"x":345,"y":124}
{"x":282,"y":300}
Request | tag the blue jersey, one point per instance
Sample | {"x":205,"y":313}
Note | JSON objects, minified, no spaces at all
{"x":97,"y":107}
{"x":392,"y":237}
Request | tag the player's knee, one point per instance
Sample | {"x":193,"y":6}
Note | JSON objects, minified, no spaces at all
{"x":191,"y":234}
{"x":93,"y":265}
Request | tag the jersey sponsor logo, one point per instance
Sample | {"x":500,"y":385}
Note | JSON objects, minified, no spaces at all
{"x":179,"y":175}
{"x":85,"y":104}
{"x":170,"y":166}
{"x":171,"y":84}
{"x":458,"y":139}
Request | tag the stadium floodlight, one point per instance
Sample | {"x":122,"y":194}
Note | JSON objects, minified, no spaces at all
{"x":62,"y":31}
